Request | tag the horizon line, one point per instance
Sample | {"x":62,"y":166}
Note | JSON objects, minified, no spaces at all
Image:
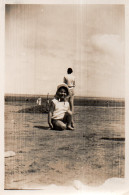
{"x":50,"y":95}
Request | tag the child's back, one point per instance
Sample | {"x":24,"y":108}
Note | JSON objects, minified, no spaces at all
{"x":69,"y":79}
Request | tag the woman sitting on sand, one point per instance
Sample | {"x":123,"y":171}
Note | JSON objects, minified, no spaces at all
{"x":60,"y":116}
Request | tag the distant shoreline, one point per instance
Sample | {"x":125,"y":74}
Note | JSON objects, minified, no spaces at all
{"x":79,"y":101}
{"x":51,"y":96}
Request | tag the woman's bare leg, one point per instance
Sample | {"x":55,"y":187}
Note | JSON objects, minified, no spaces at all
{"x":68,"y":118}
{"x":71,"y":102}
{"x":58,"y":125}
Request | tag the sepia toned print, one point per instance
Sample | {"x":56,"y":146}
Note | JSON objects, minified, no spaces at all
{"x":41,"y":43}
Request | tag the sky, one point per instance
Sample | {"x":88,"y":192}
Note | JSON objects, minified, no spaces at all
{"x":42,"y":41}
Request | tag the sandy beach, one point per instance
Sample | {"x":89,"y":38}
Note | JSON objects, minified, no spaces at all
{"x":92,"y":153}
{"x":40,"y":41}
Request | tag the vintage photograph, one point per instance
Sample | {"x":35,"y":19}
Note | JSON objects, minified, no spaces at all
{"x":64,"y":95}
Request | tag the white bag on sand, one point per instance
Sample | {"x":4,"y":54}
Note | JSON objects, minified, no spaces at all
{"x":9,"y":154}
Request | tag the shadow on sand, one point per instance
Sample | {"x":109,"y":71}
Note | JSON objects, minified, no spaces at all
{"x":42,"y":127}
{"x":114,"y":138}
{"x":46,"y":128}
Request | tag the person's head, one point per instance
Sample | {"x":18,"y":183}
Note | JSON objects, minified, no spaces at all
{"x":69,"y":70}
{"x":62,"y":91}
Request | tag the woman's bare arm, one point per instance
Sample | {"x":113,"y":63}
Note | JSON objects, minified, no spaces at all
{"x":52,"y":107}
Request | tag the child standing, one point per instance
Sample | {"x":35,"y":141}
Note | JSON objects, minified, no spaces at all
{"x":69,"y":79}
{"x":60,"y":116}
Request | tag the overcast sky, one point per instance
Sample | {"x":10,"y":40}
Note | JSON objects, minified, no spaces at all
{"x":42,"y":41}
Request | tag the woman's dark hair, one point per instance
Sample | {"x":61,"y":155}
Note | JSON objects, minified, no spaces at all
{"x":63,"y":88}
{"x":69,"y":71}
